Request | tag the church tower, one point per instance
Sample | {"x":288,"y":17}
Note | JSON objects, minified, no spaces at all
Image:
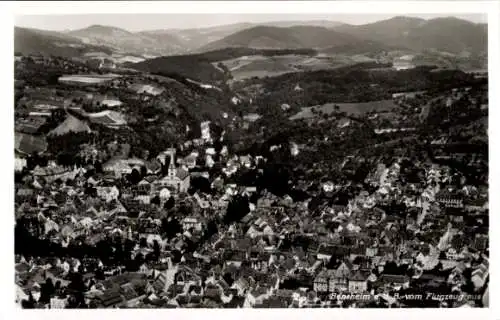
{"x":172,"y":170}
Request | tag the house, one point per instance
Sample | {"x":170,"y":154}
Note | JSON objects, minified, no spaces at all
{"x":371,"y":251}
{"x":202,"y":203}
{"x":256,"y":296}
{"x":164,"y":280}
{"x":259,"y":260}
{"x":246,"y":161}
{"x":325,"y":252}
{"x":476,"y":205}
{"x":191,"y":223}
{"x":57,"y":275}
{"x":111,"y":298}
{"x":358,"y":282}
{"x":406,"y":258}
{"x":121,"y":167}
{"x":241,"y":285}
{"x":394,"y":280}
{"x":130,"y":295}
{"x":146,"y":184}
{"x":452,"y":254}
{"x":205,"y":131}
{"x":108,"y":193}
{"x":450,"y":199}
{"x":57,"y":303}
{"x":190,"y":161}
{"x":143,"y":198}
{"x":480,"y":274}
{"x":234,"y":257}
{"x":20,"y":162}
{"x":53,"y":172}
{"x":340,"y":279}
{"x":321,"y":281}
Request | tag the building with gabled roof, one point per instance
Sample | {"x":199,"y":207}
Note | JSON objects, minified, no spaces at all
{"x":177,"y":178}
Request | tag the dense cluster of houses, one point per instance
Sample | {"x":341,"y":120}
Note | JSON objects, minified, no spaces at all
{"x":281,"y":254}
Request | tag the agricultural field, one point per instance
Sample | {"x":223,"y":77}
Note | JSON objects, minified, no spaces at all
{"x":28,"y":144}
{"x":349,"y":108}
{"x":267,"y":66}
{"x":86,"y":79}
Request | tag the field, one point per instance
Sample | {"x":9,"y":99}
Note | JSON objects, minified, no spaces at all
{"x":267,"y":66}
{"x":108,"y":117}
{"x":349,"y":108}
{"x":29,"y":144}
{"x":86,"y":79}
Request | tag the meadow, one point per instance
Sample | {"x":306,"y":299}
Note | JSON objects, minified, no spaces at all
{"x":348,"y":108}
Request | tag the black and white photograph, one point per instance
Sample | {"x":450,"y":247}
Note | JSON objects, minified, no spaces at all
{"x":250,"y":160}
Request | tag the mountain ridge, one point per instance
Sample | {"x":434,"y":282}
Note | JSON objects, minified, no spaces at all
{"x":448,"y":34}
{"x":268,"y":37}
{"x":444,"y":33}
{"x":35,"y":41}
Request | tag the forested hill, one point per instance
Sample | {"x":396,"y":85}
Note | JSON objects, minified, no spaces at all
{"x":200,"y":67}
{"x":357,"y":83}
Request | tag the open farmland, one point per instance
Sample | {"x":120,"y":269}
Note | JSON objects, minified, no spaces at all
{"x":349,"y":108}
{"x":29,"y":144}
{"x":86,"y":79}
{"x":108,"y":117}
{"x":267,"y":66}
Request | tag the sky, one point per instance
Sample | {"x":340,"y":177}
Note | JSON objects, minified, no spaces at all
{"x":140,"y":22}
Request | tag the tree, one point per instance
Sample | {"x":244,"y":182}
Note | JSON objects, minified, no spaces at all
{"x":28,"y":304}
{"x":47,"y":290}
{"x":134,"y":177}
{"x":156,"y":249}
{"x":98,"y":166}
{"x":143,"y":243}
{"x":169,"y":204}
{"x":139,"y":259}
{"x":200,"y":184}
{"x":144,"y":171}
{"x":442,"y":255}
{"x":76,"y":288}
{"x":237,"y":209}
{"x":170,"y":227}
{"x":391,"y":268}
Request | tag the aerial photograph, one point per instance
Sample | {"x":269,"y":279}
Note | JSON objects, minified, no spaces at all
{"x":251,"y":161}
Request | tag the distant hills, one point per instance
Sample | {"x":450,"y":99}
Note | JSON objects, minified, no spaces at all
{"x":193,"y":40}
{"x":269,"y":37}
{"x":34,"y":41}
{"x":452,"y":35}
{"x":123,"y":40}
{"x":172,"y":41}
{"x":442,"y":34}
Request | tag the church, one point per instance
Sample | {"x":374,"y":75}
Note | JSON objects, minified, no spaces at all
{"x":176,"y":179}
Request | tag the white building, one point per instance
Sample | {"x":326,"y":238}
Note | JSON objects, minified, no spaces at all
{"x":205,"y":131}
{"x":178,"y":179}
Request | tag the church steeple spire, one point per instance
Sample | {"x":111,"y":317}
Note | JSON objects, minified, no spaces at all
{"x":172,"y":170}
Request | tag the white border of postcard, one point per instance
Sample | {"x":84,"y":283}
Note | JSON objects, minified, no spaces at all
{"x":9,"y":9}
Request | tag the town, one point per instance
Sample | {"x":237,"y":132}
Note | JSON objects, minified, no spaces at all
{"x":142,"y":190}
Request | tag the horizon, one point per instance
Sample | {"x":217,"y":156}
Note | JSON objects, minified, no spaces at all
{"x":150,"y":22}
